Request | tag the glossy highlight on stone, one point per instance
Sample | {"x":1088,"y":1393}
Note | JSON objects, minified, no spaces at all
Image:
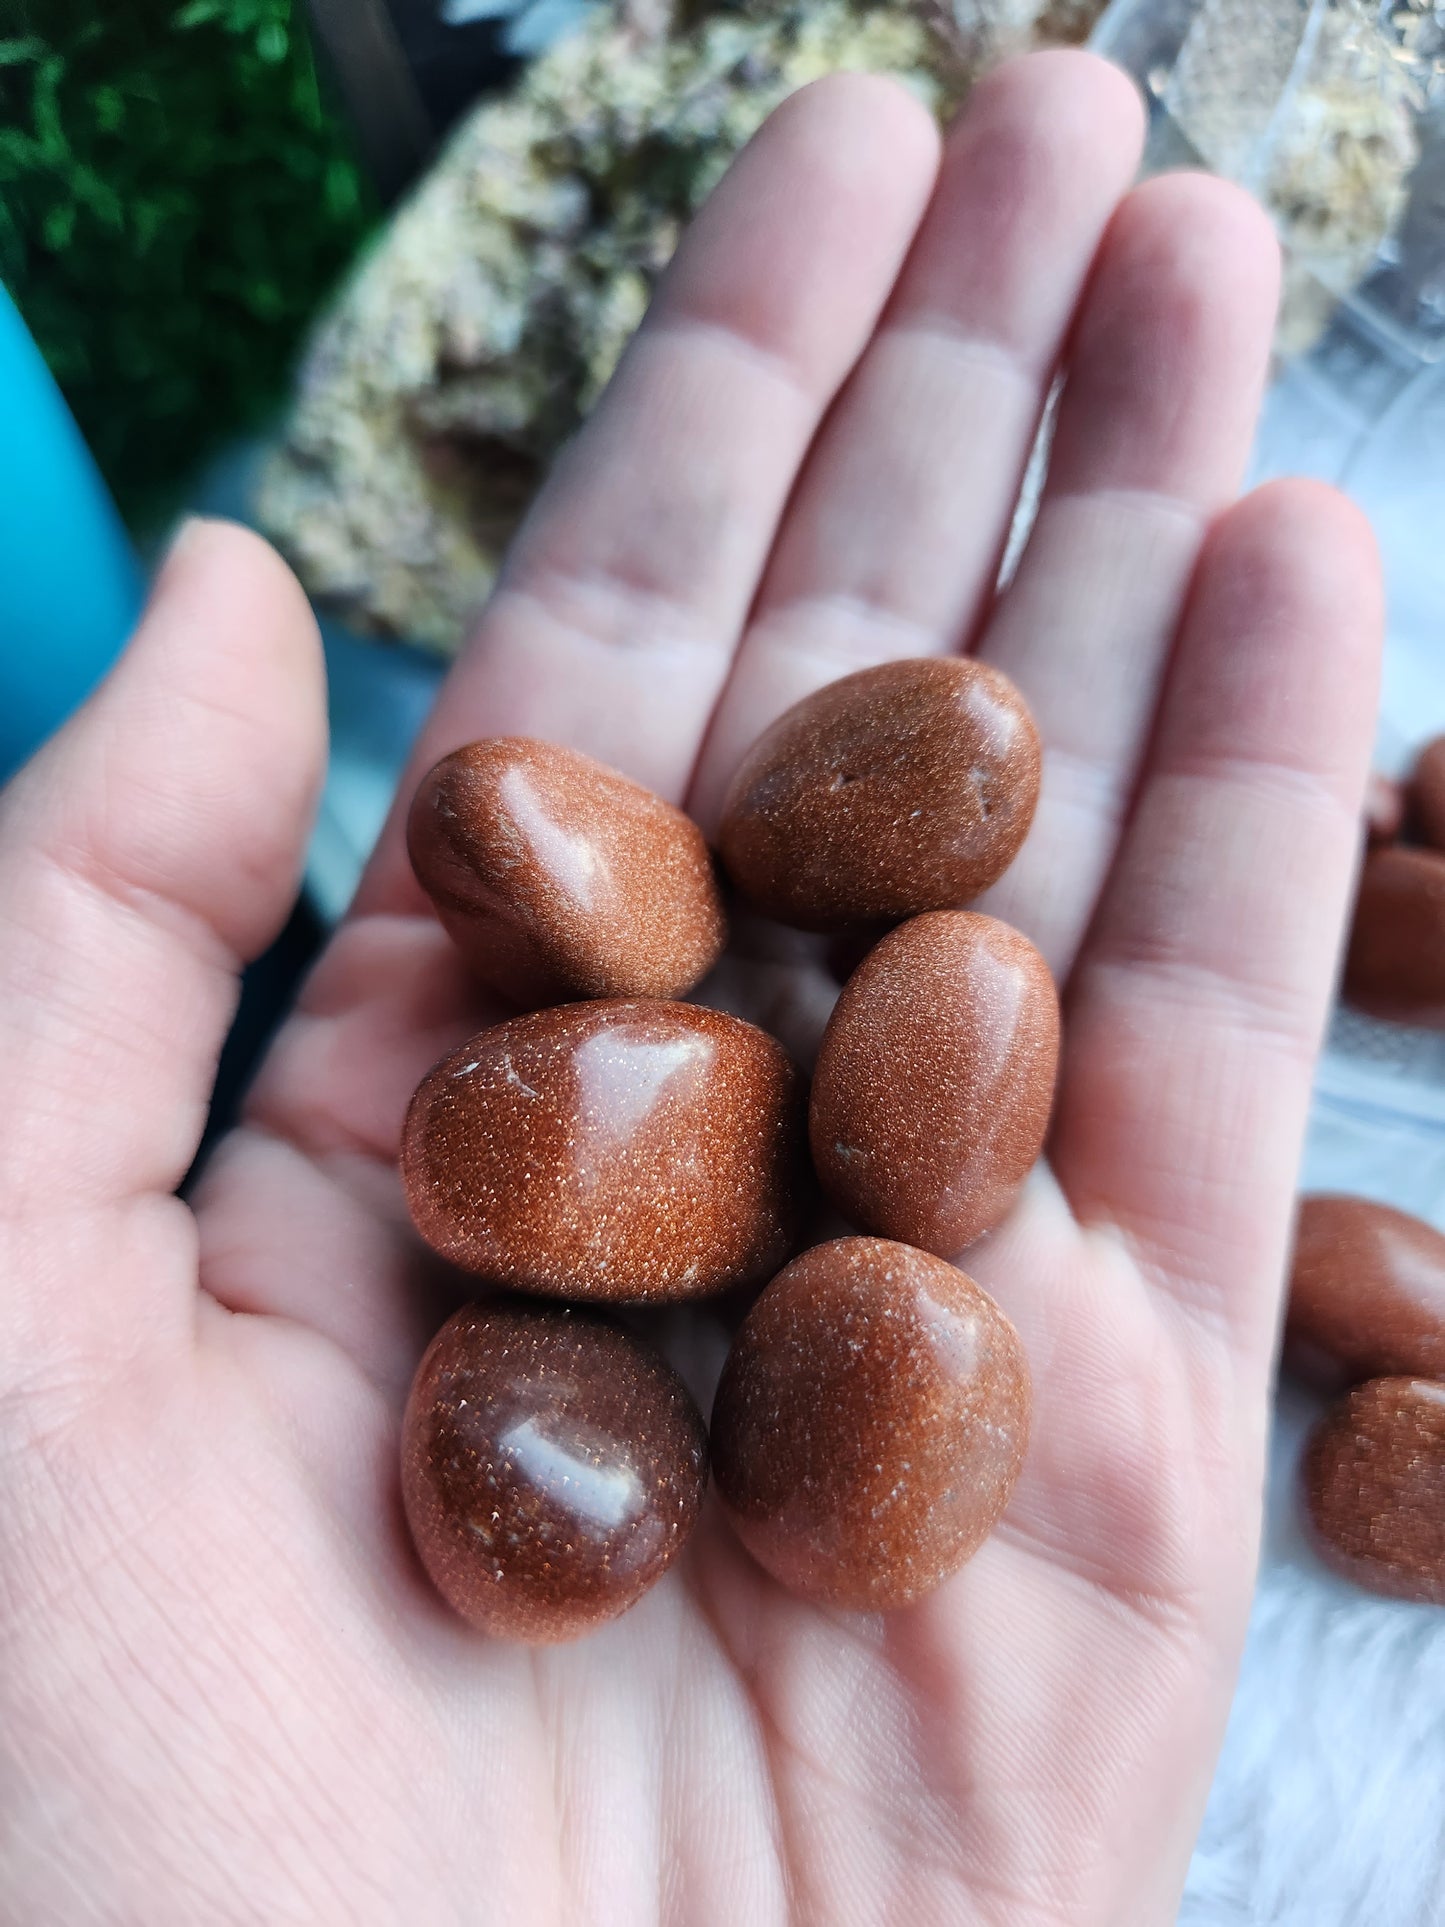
{"x":1367,"y":1288}
{"x":870,"y":1423}
{"x":625,"y":1151}
{"x":559,"y":878}
{"x":552,"y":1468}
{"x":902,"y":788}
{"x":1395,"y":964}
{"x":1427,"y":794}
{"x":935,"y":1079}
{"x":1374,"y":1485}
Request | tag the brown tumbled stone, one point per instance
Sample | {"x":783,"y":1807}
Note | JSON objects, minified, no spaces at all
{"x":552,"y":1468}
{"x":1374,"y":1484}
{"x":870,"y":1423}
{"x":558,"y":877}
{"x":1395,"y":964}
{"x":902,"y":788}
{"x":623,"y":1151}
{"x":1367,"y":1288}
{"x":1426,"y":794}
{"x":935,"y":1080}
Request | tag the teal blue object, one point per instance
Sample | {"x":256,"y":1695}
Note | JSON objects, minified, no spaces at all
{"x":70,"y":587}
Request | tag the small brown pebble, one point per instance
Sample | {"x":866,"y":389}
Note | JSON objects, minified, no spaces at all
{"x":623,"y":1151}
{"x":1367,"y":1288}
{"x":1374,"y":1482}
{"x":935,"y":1080}
{"x":552,"y":1468}
{"x":1384,"y":810}
{"x":557,"y":877}
{"x":902,"y":788}
{"x":870,"y":1423}
{"x":1427,"y":794}
{"x":1395,"y":964}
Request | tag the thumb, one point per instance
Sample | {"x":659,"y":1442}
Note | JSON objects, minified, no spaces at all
{"x":145,"y":853}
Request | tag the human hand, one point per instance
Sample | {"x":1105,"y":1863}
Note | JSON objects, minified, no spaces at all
{"x":227,"y":1692}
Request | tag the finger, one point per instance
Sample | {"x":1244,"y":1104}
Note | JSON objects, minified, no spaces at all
{"x":893,"y":540}
{"x":611,"y":630}
{"x":1162,"y":389}
{"x":146,"y":852}
{"x":620,"y":606}
{"x":1199,"y":1000}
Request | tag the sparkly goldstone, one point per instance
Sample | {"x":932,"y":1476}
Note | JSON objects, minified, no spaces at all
{"x":902,"y":788}
{"x":870,"y":1423}
{"x":1367,"y":1289}
{"x":1374,"y":1482}
{"x":935,"y":1080}
{"x":552,"y":1468}
{"x":626,"y":1151}
{"x":558,"y":877}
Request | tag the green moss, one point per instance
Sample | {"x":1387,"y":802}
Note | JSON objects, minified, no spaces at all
{"x":175,"y":199}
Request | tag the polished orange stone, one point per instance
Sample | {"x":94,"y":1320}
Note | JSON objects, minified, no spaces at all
{"x":628,"y":1151}
{"x":559,"y":878}
{"x":935,"y":1080}
{"x":1395,"y":963}
{"x":1367,"y":1289}
{"x":1374,"y":1485}
{"x":553,"y":1466}
{"x":902,"y":788}
{"x":870,"y":1423}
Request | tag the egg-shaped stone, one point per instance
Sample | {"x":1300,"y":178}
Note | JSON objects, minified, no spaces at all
{"x":870,"y":1423}
{"x":1395,"y":964}
{"x":628,"y":1150}
{"x":559,"y":878}
{"x":1374,"y":1487}
{"x":935,"y":1079}
{"x":901,"y":788}
{"x":1426,"y":794}
{"x":1367,"y":1288}
{"x":553,"y":1466}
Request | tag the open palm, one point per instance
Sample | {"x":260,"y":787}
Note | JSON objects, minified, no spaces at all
{"x":226,"y":1691}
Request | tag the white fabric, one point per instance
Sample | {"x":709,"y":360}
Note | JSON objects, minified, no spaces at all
{"x":1328,"y":1808}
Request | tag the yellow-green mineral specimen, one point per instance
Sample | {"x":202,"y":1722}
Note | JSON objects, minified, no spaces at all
{"x":472,"y":341}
